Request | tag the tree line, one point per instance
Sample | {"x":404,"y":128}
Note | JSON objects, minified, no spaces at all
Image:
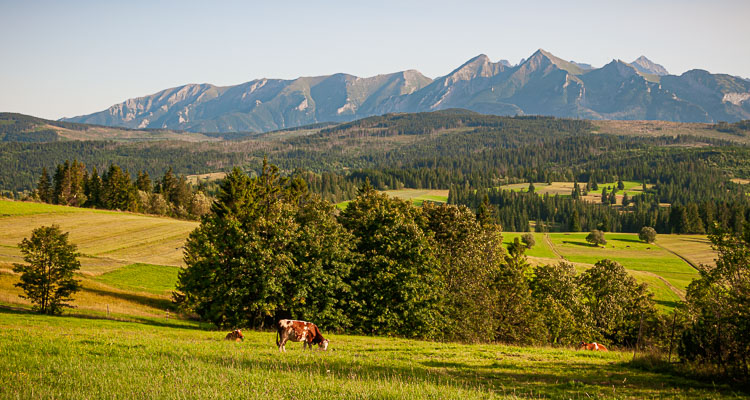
{"x":270,"y":249}
{"x":73,"y":185}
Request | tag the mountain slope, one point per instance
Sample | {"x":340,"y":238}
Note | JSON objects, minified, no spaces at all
{"x":541,"y":84}
{"x":24,"y":128}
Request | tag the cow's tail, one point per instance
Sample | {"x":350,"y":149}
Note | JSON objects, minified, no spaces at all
{"x":278,"y":337}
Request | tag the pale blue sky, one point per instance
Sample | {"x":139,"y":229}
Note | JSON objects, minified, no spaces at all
{"x":67,"y":58}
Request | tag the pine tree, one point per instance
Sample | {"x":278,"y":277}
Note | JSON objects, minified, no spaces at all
{"x":574,"y":224}
{"x":143,"y":182}
{"x":43,"y":189}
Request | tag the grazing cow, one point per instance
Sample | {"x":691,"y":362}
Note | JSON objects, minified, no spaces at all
{"x":591,"y":346}
{"x":235,"y":335}
{"x":299,"y":331}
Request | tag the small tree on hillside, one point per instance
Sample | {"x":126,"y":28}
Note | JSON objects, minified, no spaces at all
{"x":47,"y":279}
{"x":528,"y":240}
{"x":647,"y":234}
{"x":596,"y":238}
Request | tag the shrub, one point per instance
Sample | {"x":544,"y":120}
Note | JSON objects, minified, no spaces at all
{"x":528,"y":240}
{"x":596,"y":237}
{"x":647,"y":234}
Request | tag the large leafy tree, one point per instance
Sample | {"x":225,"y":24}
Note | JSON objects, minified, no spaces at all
{"x":322,"y":256}
{"x":559,"y":303}
{"x":238,"y":259}
{"x":470,"y":257}
{"x":395,"y":280}
{"x":267,"y":249}
{"x":719,"y":306}
{"x":47,"y":278}
{"x":616,"y":301}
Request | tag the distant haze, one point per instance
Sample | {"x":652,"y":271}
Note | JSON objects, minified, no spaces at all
{"x":63,"y":59}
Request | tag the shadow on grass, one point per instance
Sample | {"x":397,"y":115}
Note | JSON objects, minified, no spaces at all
{"x":161,"y":304}
{"x":5,"y":309}
{"x":627,"y":240}
{"x":667,"y":303}
{"x":582,"y":244}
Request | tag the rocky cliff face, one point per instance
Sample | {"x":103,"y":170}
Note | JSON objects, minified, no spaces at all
{"x":542,"y":84}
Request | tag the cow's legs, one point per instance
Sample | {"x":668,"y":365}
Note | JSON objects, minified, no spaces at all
{"x":282,"y":344}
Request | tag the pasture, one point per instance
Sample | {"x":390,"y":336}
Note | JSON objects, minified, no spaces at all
{"x":566,"y":189}
{"x":123,"y":339}
{"x":70,"y":357}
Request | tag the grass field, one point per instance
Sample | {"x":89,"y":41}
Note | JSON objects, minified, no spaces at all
{"x":566,"y":189}
{"x":108,"y":240}
{"x":416,"y":196}
{"x":157,"y":279}
{"x":66,"y":357}
{"x":122,"y":338}
{"x":666,"y":273}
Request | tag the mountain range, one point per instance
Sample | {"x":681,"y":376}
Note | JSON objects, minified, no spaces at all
{"x":542,"y":84}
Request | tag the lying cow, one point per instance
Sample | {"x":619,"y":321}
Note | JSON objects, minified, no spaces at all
{"x":235,"y":335}
{"x":591,"y":346}
{"x":299,"y":331}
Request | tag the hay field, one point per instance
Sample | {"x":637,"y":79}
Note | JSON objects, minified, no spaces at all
{"x":566,"y":189}
{"x":418,"y":196}
{"x":108,"y":240}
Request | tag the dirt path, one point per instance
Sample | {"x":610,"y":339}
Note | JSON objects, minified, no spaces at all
{"x":552,"y":247}
{"x":690,"y":263}
{"x":673,"y":288}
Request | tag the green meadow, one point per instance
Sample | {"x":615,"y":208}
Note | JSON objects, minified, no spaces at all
{"x":73,"y":358}
{"x":123,"y":338}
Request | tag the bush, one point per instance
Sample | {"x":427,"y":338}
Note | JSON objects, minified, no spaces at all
{"x":647,"y":234}
{"x":596,"y":237}
{"x":528,"y":240}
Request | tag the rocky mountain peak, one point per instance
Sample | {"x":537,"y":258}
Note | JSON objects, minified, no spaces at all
{"x":647,"y":66}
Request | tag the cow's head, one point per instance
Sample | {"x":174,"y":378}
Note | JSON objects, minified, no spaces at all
{"x":239,"y":334}
{"x":323,"y":345}
{"x":581,"y":345}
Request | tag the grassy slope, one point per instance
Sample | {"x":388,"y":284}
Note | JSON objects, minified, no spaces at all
{"x":107,"y":239}
{"x":66,"y":357}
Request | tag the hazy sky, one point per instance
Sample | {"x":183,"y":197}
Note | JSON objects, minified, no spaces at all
{"x":67,"y":58}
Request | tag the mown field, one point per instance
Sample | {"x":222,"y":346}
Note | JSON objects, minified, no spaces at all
{"x":108,"y":240}
{"x":416,"y":196}
{"x":73,"y":358}
{"x":142,"y":254}
{"x":566,"y":189}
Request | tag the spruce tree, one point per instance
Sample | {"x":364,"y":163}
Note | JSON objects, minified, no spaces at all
{"x":43,"y":188}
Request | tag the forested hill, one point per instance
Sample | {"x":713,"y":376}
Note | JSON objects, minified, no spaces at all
{"x":25,"y":128}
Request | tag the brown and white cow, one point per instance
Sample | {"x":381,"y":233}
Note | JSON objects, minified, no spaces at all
{"x":235,"y":335}
{"x":299,"y":331}
{"x":591,"y":346}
